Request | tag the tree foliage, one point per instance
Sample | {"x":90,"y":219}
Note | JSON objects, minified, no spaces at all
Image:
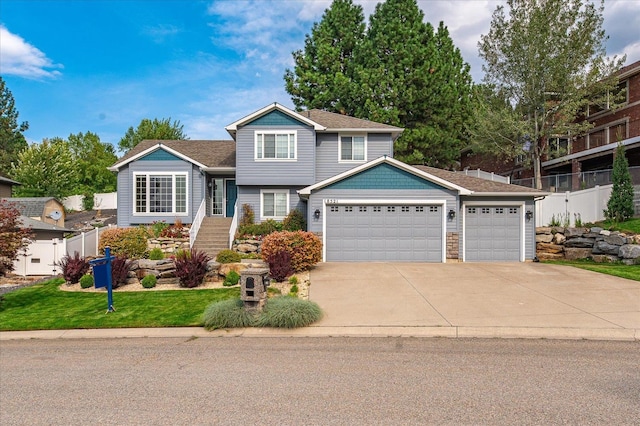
{"x":546,"y":73}
{"x":45,"y":170}
{"x":13,"y":237}
{"x":91,"y":158}
{"x":12,"y":140}
{"x":620,"y":205}
{"x":154,"y":129}
{"x":401,"y":72}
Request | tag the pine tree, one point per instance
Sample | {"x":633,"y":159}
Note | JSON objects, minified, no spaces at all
{"x":12,"y":140}
{"x":620,"y":204}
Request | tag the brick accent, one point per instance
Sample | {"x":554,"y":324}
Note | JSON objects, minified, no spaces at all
{"x":452,"y":245}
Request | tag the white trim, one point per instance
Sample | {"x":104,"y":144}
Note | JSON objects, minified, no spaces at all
{"x":233,"y":127}
{"x":521,"y":204}
{"x":305,"y":192}
{"x":173,"y":213}
{"x":274,"y":191}
{"x":352,"y":135}
{"x":151,"y":149}
{"x":289,"y":133}
{"x":394,"y":202}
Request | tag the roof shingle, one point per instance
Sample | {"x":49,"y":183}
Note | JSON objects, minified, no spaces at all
{"x":211,"y":153}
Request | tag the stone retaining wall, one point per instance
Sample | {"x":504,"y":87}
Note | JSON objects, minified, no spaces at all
{"x":168,"y":245}
{"x":587,"y":243}
{"x":247,"y":246}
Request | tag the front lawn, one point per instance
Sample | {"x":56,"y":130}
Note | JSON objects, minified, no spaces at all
{"x":631,"y":272}
{"x":629,"y":226}
{"x":45,"y":307}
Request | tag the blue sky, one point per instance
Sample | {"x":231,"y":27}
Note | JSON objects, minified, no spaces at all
{"x":102,"y":66}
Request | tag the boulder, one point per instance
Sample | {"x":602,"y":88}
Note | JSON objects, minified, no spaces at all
{"x":543,"y":230}
{"x":544,"y":238}
{"x":225,"y":268}
{"x":147,"y":264}
{"x":172,"y":281}
{"x":549,"y":248}
{"x":559,"y":238}
{"x":246,"y":248}
{"x":212,"y":265}
{"x":579,"y":242}
{"x":166,"y":266}
{"x":596,"y":230}
{"x":605,"y":232}
{"x":550,"y":256}
{"x":603,"y":247}
{"x":171,"y":273}
{"x":615,"y":239}
{"x":574,"y":232}
{"x":577,"y":253}
{"x":141,"y":273}
{"x":630,"y":251}
{"x":604,"y":258}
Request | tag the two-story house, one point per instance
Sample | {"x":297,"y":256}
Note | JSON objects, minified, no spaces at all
{"x":340,"y":173}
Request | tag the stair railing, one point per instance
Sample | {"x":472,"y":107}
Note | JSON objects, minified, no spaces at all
{"x":197,"y":221}
{"x":234,"y":225}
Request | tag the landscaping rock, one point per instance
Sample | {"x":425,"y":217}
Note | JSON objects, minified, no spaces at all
{"x":630,"y":251}
{"x":559,"y":238}
{"x":596,"y":230}
{"x":544,"y":238}
{"x":604,"y":258}
{"x":144,"y":264}
{"x":171,"y":273}
{"x":247,"y":248}
{"x":173,"y":281}
{"x":141,"y":273}
{"x":212,"y":265}
{"x":616,"y":239}
{"x":543,"y":230}
{"x":549,"y":248}
{"x":603,"y":247}
{"x":574,"y":232}
{"x":577,"y":253}
{"x":225,"y":268}
{"x":579,"y":242}
{"x":165,"y":266}
{"x":550,"y":256}
{"x":605,"y":232}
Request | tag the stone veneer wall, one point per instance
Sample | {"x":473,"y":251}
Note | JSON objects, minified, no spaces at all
{"x":452,"y":245}
{"x":587,"y":243}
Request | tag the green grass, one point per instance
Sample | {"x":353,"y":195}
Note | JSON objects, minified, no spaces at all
{"x":631,"y":225}
{"x":631,"y":272}
{"x":46,"y":307}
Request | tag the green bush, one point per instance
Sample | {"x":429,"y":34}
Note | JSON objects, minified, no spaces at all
{"x":227,"y":314}
{"x":127,"y":242}
{"x":228,"y":256}
{"x":158,"y":227}
{"x":288,"y":312}
{"x":156,"y":254}
{"x":305,"y":248}
{"x":231,"y":279}
{"x":248,"y":215}
{"x":149,"y":281}
{"x":293,"y":280}
{"x":260,"y":229}
{"x":87,"y":201}
{"x":294,"y":221}
{"x":294,"y":290}
{"x":86,"y":281}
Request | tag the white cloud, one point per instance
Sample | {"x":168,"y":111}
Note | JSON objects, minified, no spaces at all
{"x":160,"y":32}
{"x":17,"y":57}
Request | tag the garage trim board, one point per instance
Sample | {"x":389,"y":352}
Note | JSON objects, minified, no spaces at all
{"x":329,"y":202}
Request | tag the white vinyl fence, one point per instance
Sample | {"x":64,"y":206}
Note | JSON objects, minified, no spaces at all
{"x":104,"y":201}
{"x":42,"y":256}
{"x":588,"y":203}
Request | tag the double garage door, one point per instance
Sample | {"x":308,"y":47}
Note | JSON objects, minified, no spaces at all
{"x":493,"y":234}
{"x":386,"y":232}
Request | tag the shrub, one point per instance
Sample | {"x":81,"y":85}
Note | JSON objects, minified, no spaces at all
{"x":156,"y":254}
{"x":87,"y":201}
{"x":293,"y":280}
{"x":260,"y":229}
{"x":120,"y":267}
{"x":279,"y":265}
{"x":73,"y":268}
{"x":177,"y":230}
{"x":158,"y":227}
{"x":149,"y":281}
{"x":620,"y":205}
{"x":288,"y":312}
{"x":231,"y":279}
{"x":294,"y":221}
{"x":127,"y":242}
{"x":227,"y":314}
{"x":294,"y":290}
{"x":228,"y":256}
{"x":191,"y":267}
{"x":13,"y":238}
{"x":304,"y":247}
{"x":248,"y":216}
{"x":86,"y":281}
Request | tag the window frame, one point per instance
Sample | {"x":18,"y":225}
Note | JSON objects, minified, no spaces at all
{"x":274,"y":192}
{"x":174,"y":194}
{"x":352,"y":135}
{"x":258,"y":145}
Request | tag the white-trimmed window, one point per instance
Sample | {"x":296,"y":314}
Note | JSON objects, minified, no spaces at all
{"x":353,"y":148}
{"x":275,"y":145}
{"x":161,"y":194}
{"x":274,"y":204}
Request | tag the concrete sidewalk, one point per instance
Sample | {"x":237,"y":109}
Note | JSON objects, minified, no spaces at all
{"x":506,"y":300}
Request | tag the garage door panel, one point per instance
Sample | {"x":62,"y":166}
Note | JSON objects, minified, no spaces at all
{"x":492,"y":233}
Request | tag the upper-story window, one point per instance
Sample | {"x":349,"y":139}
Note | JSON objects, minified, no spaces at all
{"x":353,"y":148}
{"x":275,"y":145}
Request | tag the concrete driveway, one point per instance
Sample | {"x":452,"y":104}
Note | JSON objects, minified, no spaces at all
{"x":515,"y":295}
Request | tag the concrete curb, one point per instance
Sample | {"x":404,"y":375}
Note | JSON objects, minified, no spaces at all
{"x":612,"y":334}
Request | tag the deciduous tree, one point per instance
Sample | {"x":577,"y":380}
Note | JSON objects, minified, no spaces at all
{"x":13,"y":236}
{"x":91,"y":158}
{"x":162,"y":129}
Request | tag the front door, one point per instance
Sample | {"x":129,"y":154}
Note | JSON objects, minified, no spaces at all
{"x":232,"y":195}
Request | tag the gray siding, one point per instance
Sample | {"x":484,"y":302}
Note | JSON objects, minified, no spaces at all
{"x":530,"y":225}
{"x":327,"y":155}
{"x":299,"y":172}
{"x":195,"y":188}
{"x":316,"y":201}
{"x":251,"y":195}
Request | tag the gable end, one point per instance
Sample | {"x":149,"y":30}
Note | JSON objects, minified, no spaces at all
{"x":384,"y":176}
{"x":276,"y":118}
{"x":159,"y":155}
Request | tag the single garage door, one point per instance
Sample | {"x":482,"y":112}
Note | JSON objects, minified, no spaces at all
{"x":405,"y":233}
{"x":493,"y":234}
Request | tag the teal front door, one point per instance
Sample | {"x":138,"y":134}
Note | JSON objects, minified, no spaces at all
{"x":232,"y":196}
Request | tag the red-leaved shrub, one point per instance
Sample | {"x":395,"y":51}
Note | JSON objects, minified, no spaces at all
{"x":119,"y":271}
{"x":280,"y":265}
{"x":73,"y":268}
{"x":191,"y":267}
{"x":305,"y":248}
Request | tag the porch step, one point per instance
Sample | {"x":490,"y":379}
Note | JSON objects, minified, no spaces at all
{"x":213,"y":236}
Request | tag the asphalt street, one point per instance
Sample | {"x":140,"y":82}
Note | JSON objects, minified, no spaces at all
{"x":309,"y":381}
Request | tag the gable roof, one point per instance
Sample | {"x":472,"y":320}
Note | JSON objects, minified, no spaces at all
{"x":206,"y":154}
{"x":233,"y":127}
{"x":6,"y":180}
{"x":38,"y":225}
{"x":30,"y":206}
{"x":463,"y":184}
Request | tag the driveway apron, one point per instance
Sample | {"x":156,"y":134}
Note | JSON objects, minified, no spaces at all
{"x":473,"y":294}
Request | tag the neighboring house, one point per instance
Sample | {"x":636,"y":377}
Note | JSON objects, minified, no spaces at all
{"x":339,"y":172}
{"x":6,"y":186}
{"x":42,"y":230}
{"x":571,"y":159}
{"x":45,"y":209}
